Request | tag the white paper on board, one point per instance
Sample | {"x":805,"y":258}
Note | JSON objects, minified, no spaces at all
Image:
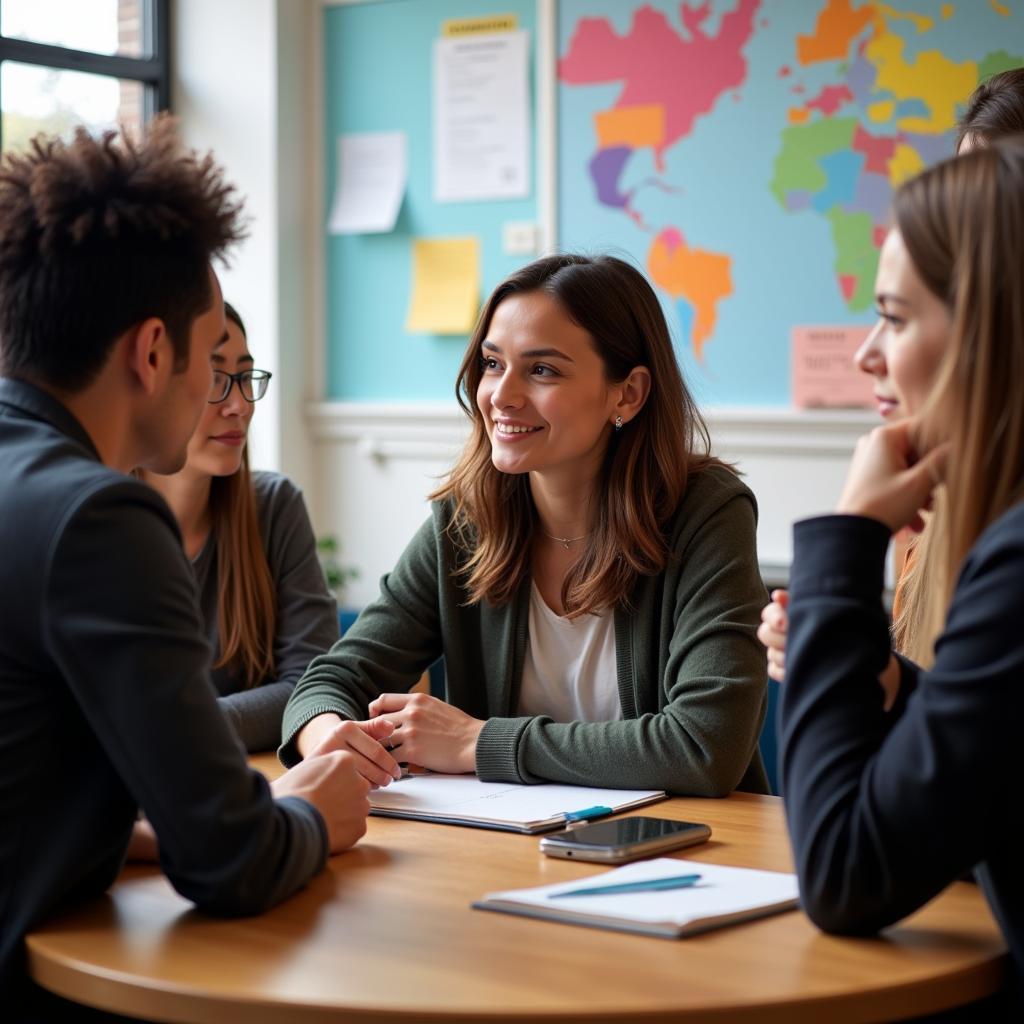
{"x":372,"y":173}
{"x":481,"y":117}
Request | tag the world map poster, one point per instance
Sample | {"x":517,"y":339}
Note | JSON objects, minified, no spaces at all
{"x":744,"y":153}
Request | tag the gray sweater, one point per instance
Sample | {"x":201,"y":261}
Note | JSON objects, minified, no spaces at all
{"x":691,"y":673}
{"x":307,"y":615}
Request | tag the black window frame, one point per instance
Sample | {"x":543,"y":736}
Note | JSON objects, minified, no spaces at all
{"x":153,"y":72}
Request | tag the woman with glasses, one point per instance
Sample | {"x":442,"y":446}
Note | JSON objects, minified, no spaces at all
{"x":261,"y":590}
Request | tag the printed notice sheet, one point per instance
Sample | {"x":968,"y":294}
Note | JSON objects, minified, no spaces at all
{"x":372,"y":173}
{"x":481,"y":117}
{"x":824,"y":374}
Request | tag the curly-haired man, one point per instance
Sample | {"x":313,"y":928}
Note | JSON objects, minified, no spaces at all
{"x":110,"y":312}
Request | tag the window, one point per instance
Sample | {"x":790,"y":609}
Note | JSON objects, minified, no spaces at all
{"x":64,"y":63}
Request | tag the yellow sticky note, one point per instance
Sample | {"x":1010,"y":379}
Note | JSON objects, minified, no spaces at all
{"x":479,"y":26}
{"x":445,"y":285}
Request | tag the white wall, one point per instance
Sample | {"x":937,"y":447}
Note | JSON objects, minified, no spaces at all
{"x":375,"y":464}
{"x":241,"y":88}
{"x":248,"y":77}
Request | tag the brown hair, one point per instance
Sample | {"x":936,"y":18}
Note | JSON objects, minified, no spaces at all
{"x":246,"y":604}
{"x":963,"y":226}
{"x":246,"y":599}
{"x":99,"y":234}
{"x":995,"y":109}
{"x":646,"y":465}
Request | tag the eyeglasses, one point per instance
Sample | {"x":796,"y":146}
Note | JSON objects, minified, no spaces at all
{"x":252,"y":384}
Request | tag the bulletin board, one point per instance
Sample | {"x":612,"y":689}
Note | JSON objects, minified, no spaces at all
{"x":742,"y":153}
{"x":378,"y":77}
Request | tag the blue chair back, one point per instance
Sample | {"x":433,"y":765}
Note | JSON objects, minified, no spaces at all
{"x":769,"y":742}
{"x":346,"y":616}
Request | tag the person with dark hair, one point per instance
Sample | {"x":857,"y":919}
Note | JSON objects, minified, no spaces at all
{"x":110,"y":313}
{"x":995,"y":110}
{"x":887,"y":808}
{"x":265,"y":605}
{"x":589,"y":570}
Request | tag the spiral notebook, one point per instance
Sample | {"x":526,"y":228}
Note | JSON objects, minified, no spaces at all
{"x":722,"y":896}
{"x":465,"y":800}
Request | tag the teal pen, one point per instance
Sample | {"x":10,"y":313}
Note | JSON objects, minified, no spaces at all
{"x":647,"y":885}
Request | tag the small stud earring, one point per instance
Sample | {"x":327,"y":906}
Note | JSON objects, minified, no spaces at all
{"x":618,"y":422}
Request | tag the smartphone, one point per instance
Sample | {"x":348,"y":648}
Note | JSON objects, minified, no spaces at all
{"x":614,"y":842}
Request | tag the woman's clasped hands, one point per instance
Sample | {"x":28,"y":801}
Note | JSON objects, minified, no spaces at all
{"x":410,"y":727}
{"x":429,"y":732}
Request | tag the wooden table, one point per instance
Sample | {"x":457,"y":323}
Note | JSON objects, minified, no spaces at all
{"x":386,"y":934}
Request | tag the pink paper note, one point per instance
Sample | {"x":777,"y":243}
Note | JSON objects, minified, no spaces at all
{"x":824,"y":375}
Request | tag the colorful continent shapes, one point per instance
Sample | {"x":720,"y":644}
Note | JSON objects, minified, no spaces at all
{"x":931,"y":76}
{"x":656,"y":107}
{"x":837,"y":26}
{"x":696,"y":279}
{"x":655,"y":110}
{"x":849,"y":177}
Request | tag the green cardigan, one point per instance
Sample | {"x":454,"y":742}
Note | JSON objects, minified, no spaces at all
{"x":691,"y":672}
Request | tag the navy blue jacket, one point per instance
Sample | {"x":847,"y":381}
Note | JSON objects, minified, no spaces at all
{"x":105,"y":700}
{"x":886,"y":809}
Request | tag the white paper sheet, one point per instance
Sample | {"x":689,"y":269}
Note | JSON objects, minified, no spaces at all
{"x":466,"y":798}
{"x":723,"y":895}
{"x":372,"y":173}
{"x":481,"y":117}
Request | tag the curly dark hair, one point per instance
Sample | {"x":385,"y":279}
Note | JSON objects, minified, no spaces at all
{"x":98,"y":234}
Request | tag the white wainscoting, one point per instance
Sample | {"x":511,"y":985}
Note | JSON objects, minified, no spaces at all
{"x":373,"y":465}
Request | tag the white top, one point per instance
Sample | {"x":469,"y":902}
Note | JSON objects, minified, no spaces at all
{"x":569,"y":673}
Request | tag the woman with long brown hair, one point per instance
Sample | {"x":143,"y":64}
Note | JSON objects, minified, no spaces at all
{"x":994,"y":110}
{"x":588,"y":572}
{"x":262,"y":593}
{"x":886,"y":809}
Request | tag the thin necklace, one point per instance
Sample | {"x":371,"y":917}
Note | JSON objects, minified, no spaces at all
{"x":565,"y":541}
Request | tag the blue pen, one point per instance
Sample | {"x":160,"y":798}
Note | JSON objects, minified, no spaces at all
{"x":586,"y":814}
{"x":647,"y":885}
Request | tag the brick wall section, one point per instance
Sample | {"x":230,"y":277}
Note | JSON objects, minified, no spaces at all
{"x":130,"y":44}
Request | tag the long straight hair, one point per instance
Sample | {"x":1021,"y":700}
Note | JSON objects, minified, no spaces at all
{"x":963,"y":226}
{"x":919,"y":606}
{"x":646,"y":465}
{"x":246,"y":603}
{"x":995,"y":109}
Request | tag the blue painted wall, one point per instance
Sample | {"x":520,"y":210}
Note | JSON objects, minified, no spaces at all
{"x":377,"y":66}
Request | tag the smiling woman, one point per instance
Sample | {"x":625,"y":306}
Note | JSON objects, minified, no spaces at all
{"x":588,"y":572}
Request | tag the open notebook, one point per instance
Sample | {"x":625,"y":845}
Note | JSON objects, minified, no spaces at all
{"x":465,"y":800}
{"x":722,"y":896}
